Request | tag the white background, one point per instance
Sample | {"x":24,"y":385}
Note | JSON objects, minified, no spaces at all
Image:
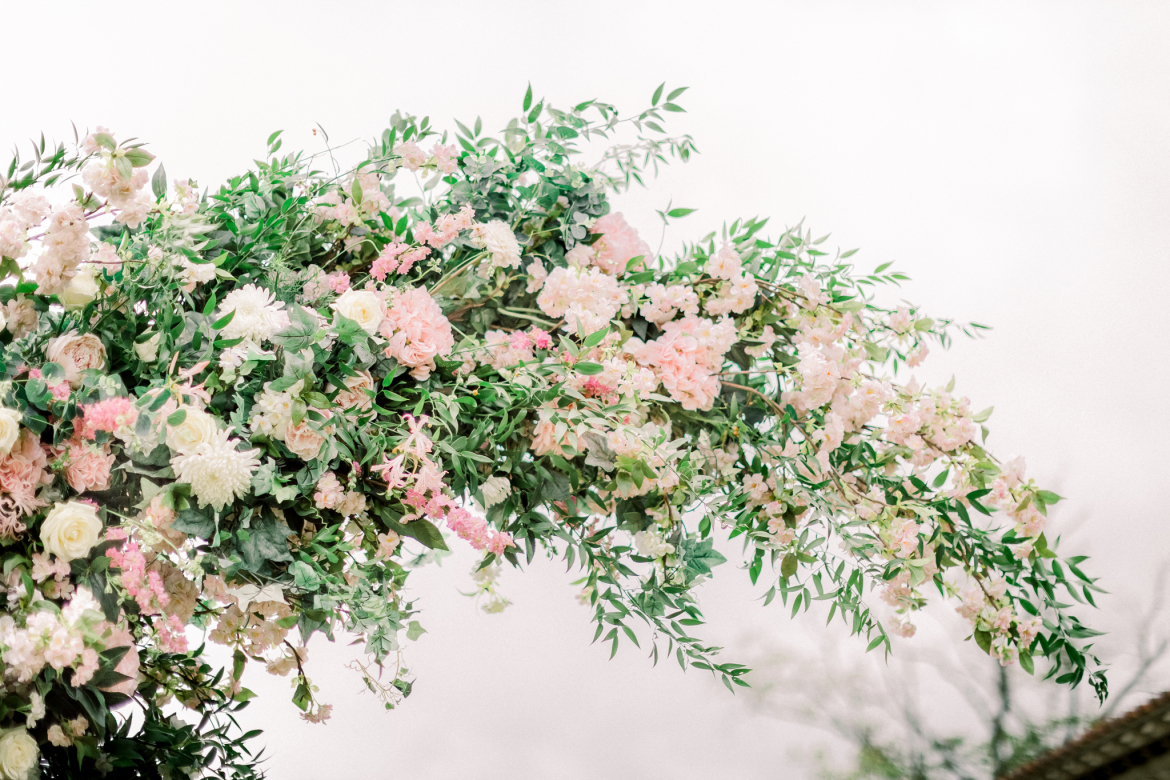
{"x":1013,"y":158}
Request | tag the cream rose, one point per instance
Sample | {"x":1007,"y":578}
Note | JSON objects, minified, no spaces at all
{"x":71,"y":530}
{"x":18,"y":754}
{"x":148,"y":350}
{"x":197,"y":428}
{"x":354,"y":396}
{"x":363,"y":307}
{"x":82,"y":289}
{"x":76,"y":352}
{"x":9,"y":429}
{"x":304,"y":442}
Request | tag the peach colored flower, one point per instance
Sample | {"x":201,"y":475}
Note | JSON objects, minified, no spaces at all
{"x":355,"y":395}
{"x":88,"y":468}
{"x":76,"y":352}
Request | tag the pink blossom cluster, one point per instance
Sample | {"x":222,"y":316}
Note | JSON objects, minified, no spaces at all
{"x":444,"y":157}
{"x":398,"y":258}
{"x":927,"y":423}
{"x":687,"y":357}
{"x":340,"y":204}
{"x":111,"y":415}
{"x":1009,"y":493}
{"x":25,"y":211}
{"x":423,"y":487}
{"x":445,"y":230}
{"x":508,"y":350}
{"x":985,"y":604}
{"x":587,"y":298}
{"x":108,"y":180}
{"x":545,"y":439}
{"x":64,"y":248}
{"x":417,"y":330}
{"x":254,"y":630}
{"x":60,"y":390}
{"x":332,"y":494}
{"x":143,"y":585}
{"x":68,"y":640}
{"x":666,"y":302}
{"x":338,"y":281}
{"x":738,"y":292}
{"x":413,"y":157}
{"x":618,"y":245}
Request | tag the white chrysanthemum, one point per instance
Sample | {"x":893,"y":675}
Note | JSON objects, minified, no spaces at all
{"x":258,"y":315}
{"x":217,"y":472}
{"x":496,"y":237}
{"x":495,"y":490}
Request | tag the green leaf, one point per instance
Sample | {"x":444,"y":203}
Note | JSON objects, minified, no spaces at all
{"x":158,"y":182}
{"x":267,"y":541}
{"x":139,"y":158}
{"x":657,"y":94}
{"x":983,"y":639}
{"x":528,"y":97}
{"x":788,"y":565}
{"x":301,"y":332}
{"x":596,"y":337}
{"x":194,"y":523}
{"x":177,"y":417}
{"x":223,"y":321}
{"x":678,"y":213}
{"x":425,"y":532}
{"x":414,"y":630}
{"x":304,"y":575}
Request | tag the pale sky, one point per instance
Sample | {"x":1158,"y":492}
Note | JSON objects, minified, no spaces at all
{"x":1012,"y":157}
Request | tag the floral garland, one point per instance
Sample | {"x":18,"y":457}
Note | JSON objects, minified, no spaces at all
{"x":243,"y":417}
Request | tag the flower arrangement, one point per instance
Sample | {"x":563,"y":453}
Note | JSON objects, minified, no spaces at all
{"x":245,"y":416}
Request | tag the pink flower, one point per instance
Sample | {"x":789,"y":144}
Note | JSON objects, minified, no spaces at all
{"x":444,"y":158}
{"x":411,"y":257}
{"x":387,"y":262}
{"x":330,"y":492}
{"x":110,"y":415}
{"x":417,"y":331}
{"x":88,"y":467}
{"x":412,"y":156}
{"x":619,"y":244}
{"x":338,"y":281}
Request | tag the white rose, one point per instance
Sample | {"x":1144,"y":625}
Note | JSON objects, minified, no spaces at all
{"x":75,"y":353}
{"x":197,"y":428}
{"x":148,"y":350}
{"x":82,"y":289}
{"x":495,"y":490}
{"x":18,"y":754}
{"x":9,"y":429}
{"x":361,"y":306}
{"x":71,"y":530}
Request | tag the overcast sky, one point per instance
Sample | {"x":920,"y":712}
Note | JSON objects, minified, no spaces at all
{"x":1013,"y":158}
